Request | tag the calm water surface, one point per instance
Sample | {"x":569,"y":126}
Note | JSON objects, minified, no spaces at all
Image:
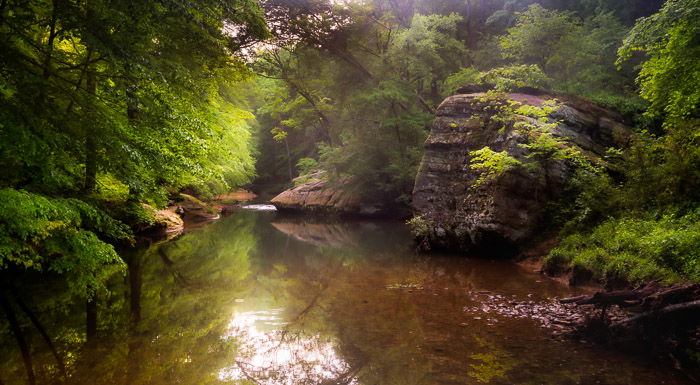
{"x":258,"y":298}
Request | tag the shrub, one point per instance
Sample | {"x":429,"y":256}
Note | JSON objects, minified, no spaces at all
{"x":636,"y":249}
{"x":307,"y":166}
{"x":420,"y":227}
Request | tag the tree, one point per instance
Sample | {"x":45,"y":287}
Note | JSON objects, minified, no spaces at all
{"x":669,"y":77}
{"x":577,"y":54}
{"x":106,"y":104}
{"x":538,"y":33}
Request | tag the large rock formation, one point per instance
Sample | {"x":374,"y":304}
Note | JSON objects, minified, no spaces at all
{"x":461,"y":214}
{"x":319,"y":196}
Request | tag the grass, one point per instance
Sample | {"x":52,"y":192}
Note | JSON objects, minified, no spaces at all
{"x":635,"y":250}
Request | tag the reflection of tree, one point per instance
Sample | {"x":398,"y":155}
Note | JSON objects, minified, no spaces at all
{"x":163,"y":331}
{"x":493,"y":363}
{"x":296,"y":352}
{"x":283,"y":357}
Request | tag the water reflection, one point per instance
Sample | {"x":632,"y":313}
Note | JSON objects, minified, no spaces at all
{"x":257,"y":298}
{"x":333,"y":235}
{"x":272,"y":356}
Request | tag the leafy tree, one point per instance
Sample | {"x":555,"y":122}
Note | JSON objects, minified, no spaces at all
{"x":65,"y":236}
{"x":538,"y":33}
{"x":669,"y":76}
{"x":106,"y":104}
{"x":577,"y":54}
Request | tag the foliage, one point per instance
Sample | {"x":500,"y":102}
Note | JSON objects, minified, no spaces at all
{"x":63,"y":236}
{"x":502,"y":79}
{"x":635,"y":250}
{"x":544,"y":146}
{"x":427,"y":51}
{"x":539,"y":130}
{"x":491,"y":163}
{"x":106,"y":104}
{"x":538,"y":33}
{"x":307,"y":166}
{"x":663,"y":172}
{"x":420,"y":227}
{"x":577,"y":54}
{"x":362,"y":110}
{"x":669,"y":76}
{"x":646,"y":226}
{"x":511,"y":77}
{"x":463,"y":76}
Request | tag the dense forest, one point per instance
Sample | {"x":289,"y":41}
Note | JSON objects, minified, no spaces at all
{"x":111,"y":108}
{"x":351,"y":89}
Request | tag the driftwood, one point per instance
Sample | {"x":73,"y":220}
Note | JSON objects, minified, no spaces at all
{"x":656,"y":318}
{"x":648,"y":300}
{"x":665,"y":310}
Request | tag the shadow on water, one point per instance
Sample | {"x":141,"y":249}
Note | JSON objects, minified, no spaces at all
{"x":259,"y":298}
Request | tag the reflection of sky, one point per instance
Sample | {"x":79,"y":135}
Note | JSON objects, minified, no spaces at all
{"x":270,"y":355}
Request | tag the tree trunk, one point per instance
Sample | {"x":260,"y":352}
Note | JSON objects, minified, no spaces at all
{"x":90,"y":143}
{"x":91,"y":318}
{"x":19,"y":337}
{"x":32,"y":317}
{"x":131,"y":93}
{"x":50,"y":43}
{"x":289,"y":159}
{"x":3,"y":5}
{"x":325,"y":122}
{"x":135,"y":284}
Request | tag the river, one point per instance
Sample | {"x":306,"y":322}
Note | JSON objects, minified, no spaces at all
{"x":261,"y":298}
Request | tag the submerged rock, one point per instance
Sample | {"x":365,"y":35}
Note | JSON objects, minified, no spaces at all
{"x":508,"y":208}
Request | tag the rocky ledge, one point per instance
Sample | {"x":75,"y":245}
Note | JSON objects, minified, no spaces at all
{"x":458,"y":213}
{"x":318,"y":195}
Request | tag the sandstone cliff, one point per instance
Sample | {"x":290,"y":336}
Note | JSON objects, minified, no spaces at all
{"x":461,"y":214}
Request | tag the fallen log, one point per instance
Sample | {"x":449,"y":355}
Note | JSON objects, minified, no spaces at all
{"x":648,"y":297}
{"x":573,"y":299}
{"x":665,"y":310}
{"x":664,"y":320}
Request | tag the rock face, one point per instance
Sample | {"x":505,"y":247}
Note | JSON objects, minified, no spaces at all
{"x":169,"y":221}
{"x":166,"y":221}
{"x":510,"y":207}
{"x":318,"y":195}
{"x":194,"y":209}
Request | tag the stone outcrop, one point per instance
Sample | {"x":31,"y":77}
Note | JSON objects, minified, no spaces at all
{"x":510,"y":208}
{"x":319,"y":196}
{"x":166,"y":221}
{"x":192,"y":208}
{"x":169,"y":221}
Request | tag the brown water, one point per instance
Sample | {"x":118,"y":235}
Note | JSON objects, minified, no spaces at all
{"x":257,"y":298}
